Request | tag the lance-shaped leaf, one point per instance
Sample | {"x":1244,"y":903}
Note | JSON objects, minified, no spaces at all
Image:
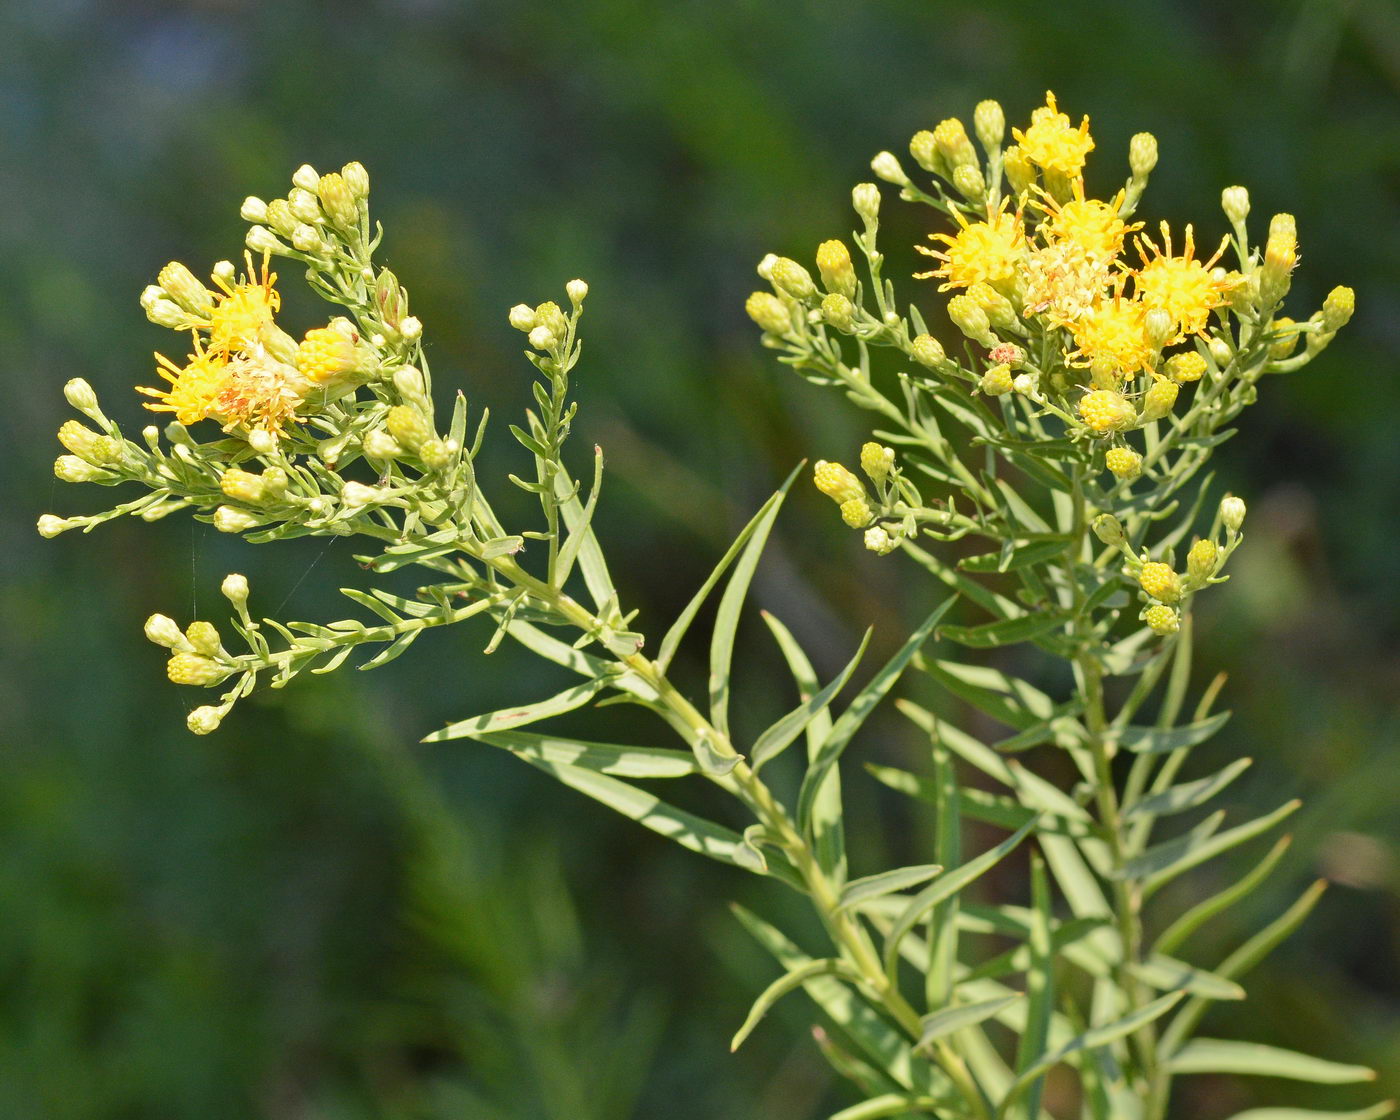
{"x":951,"y":1019}
{"x":1187,"y":795}
{"x":1208,"y":908}
{"x":1376,"y":1112}
{"x":860,"y":891}
{"x":1218,"y":1055}
{"x":1171,"y":852}
{"x":1217,"y":844}
{"x":964,"y":584}
{"x":1157,"y":740}
{"x":1090,"y":1040}
{"x":777,"y":738}
{"x":946,"y":886}
{"x":1015,"y":556}
{"x":1005,"y":632}
{"x":602,"y":758}
{"x":504,"y":718}
{"x":731,"y":605}
{"x":1169,"y":975}
{"x":789,"y":982}
{"x":859,"y":710}
{"x":578,"y":520}
{"x":1040,"y":987}
{"x":888,"y":1104}
{"x":1006,"y":699}
{"x":671,"y":642}
{"x":887,"y":1048}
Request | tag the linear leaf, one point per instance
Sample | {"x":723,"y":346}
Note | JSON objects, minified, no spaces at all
{"x":1157,"y":740}
{"x":951,"y":1019}
{"x":581,"y":531}
{"x":1169,"y":975}
{"x":1040,"y":986}
{"x":1167,"y":854}
{"x":1222,"y":842}
{"x":504,"y":718}
{"x":590,"y":554}
{"x":1021,"y":556}
{"x":1188,"y":795}
{"x":780,"y":735}
{"x":850,"y":721}
{"x":1006,"y":632}
{"x":780,"y":987}
{"x":1203,"y":911}
{"x":1218,"y":1055}
{"x":888,"y":1104}
{"x":1006,"y":699}
{"x":863,"y":890}
{"x":602,"y":758}
{"x":1385,"y":1108}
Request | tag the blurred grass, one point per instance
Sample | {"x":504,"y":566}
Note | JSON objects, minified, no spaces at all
{"x":307,"y":916}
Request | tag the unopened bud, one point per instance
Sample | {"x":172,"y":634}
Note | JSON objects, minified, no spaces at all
{"x":1104,"y":410}
{"x":203,"y":638}
{"x":168,"y":313}
{"x":790,"y":277}
{"x":1235,"y":202}
{"x":408,"y":426}
{"x":836,"y":482}
{"x":1162,"y":620}
{"x":262,"y":240}
{"x":1185,"y":367}
{"x":79,"y":394}
{"x":769,"y":312}
{"x":1159,"y":399}
{"x":1287,"y":340}
{"x":50,"y":525}
{"x":1159,"y":325}
{"x":1220,"y":351}
{"x":522,"y":317}
{"x":865,"y":198}
{"x":280,"y":217}
{"x":338,"y":201}
{"x":997,"y":381}
{"x":163,"y":631}
{"x":1200,"y":560}
{"x":953,"y":145}
{"x":1000,"y":310}
{"x":235,"y":588}
{"x":69,"y":468}
{"x":305,"y":177}
{"x":379,"y":444}
{"x":927,"y":351}
{"x":1142,"y":154}
{"x":437,"y":453}
{"x":838,"y":311}
{"x":357,"y":179}
{"x":989,"y":122}
{"x":1337,"y":309}
{"x":411,"y":328}
{"x":253,"y":209}
{"x":969,"y":182}
{"x":1108,"y":529}
{"x":1124,"y":462}
{"x":1232,"y":511}
{"x":834,"y":264}
{"x":856,"y":512}
{"x":970,"y":318}
{"x":1160,"y":582}
{"x":353,"y":495}
{"x":1020,"y":171}
{"x":878,"y":541}
{"x":230,"y":520}
{"x":306,"y":207}
{"x":185,"y":289}
{"x":542,"y":338}
{"x":876,"y":460}
{"x":193,"y":669}
{"x":577,"y":291}
{"x":241,"y":486}
{"x":305,"y":239}
{"x":204,"y":720}
{"x":924,"y":149}
{"x":408,"y":381}
{"x":1008,"y":353}
{"x":886,"y":167}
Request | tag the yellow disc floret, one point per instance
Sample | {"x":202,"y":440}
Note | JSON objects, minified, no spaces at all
{"x":989,"y":251}
{"x":836,"y":482}
{"x":193,"y":388}
{"x":1124,"y":462}
{"x":325,"y":354}
{"x":1186,"y":367}
{"x":1116,"y":331}
{"x":1052,"y":142}
{"x":1103,"y":411}
{"x":1160,"y":581}
{"x":1162,"y":620}
{"x":191,"y":668}
{"x":1182,"y":286}
{"x":243,"y":312}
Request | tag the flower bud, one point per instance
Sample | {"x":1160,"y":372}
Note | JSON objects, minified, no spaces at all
{"x":856,"y":512}
{"x":411,"y":328}
{"x":577,"y":291}
{"x":886,"y":167}
{"x":997,"y":381}
{"x":230,"y":520}
{"x":1232,"y":510}
{"x":1020,"y":171}
{"x":305,"y":206}
{"x":163,"y":631}
{"x":168,"y":313}
{"x":241,"y":485}
{"x":927,"y":351}
{"x":1159,"y":581}
{"x":1108,"y":529}
{"x":769,"y":312}
{"x":542,"y":338}
{"x":192,"y":669}
{"x":765,"y":266}
{"x":1104,"y":410}
{"x":924,"y":149}
{"x":1220,"y":351}
{"x":790,"y":277}
{"x":338,"y":201}
{"x":999,"y":309}
{"x":1159,"y":327}
{"x":185,"y":289}
{"x":305,"y":239}
{"x":838,"y":311}
{"x":280,"y":217}
{"x":836,"y":482}
{"x":522,"y":317}
{"x":953,"y":145}
{"x":79,"y":394}
{"x":970,"y":318}
{"x":262,"y":441}
{"x":876,"y":460}
{"x":408,"y":382}
{"x":969,"y":182}
{"x":261,"y":240}
{"x":379,"y":444}
{"x":1159,"y":399}
{"x":1337,"y":309}
{"x":203,"y":638}
{"x":1142,"y":154}
{"x":1104,"y":373}
{"x":989,"y":122}
{"x":1185,"y":367}
{"x":865,"y":198}
{"x":1235,"y":202}
{"x":235,"y":589}
{"x":1124,"y":462}
{"x":99,"y":450}
{"x":356,"y":179}
{"x":253,"y":209}
{"x":1200,"y":560}
{"x":408,"y":427}
{"x":1280,"y":258}
{"x":437,"y":453}
{"x":834,"y":264}
{"x":878,"y":541}
{"x":204,"y":720}
{"x":50,"y":525}
{"x":1287,"y":341}
{"x":353,"y":495}
{"x":69,"y":468}
{"x":1162,"y":620}
{"x":305,"y":177}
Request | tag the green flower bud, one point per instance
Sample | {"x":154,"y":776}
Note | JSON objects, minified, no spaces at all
{"x":769,"y":312}
{"x":970,"y":318}
{"x":230,"y":520}
{"x":1235,"y":202}
{"x":856,"y":512}
{"x":927,"y":351}
{"x":437,"y":453}
{"x":953,"y":145}
{"x":989,"y":122}
{"x":790,"y":277}
{"x":1338,"y":308}
{"x":1159,"y":400}
{"x":356,"y":179}
{"x":1142,"y":154}
{"x":305,"y":177}
{"x":836,"y":482}
{"x":1232,"y":511}
{"x":203,"y":638}
{"x":306,"y":207}
{"x":997,"y":381}
{"x":192,"y":669}
{"x":235,"y":589}
{"x":1162,"y":620}
{"x":204,"y":720}
{"x":836,"y":310}
{"x":1020,"y":171}
{"x":876,"y":460}
{"x":408,"y":426}
{"x":253,"y":209}
{"x":865,"y":198}
{"x":886,"y":167}
{"x":182,"y":286}
{"x":968,"y":180}
{"x":163,"y":631}
{"x":338,"y":201}
{"x":1108,"y":529}
{"x":925,"y":151}
{"x":1201,"y":559}
{"x":834,"y":264}
{"x":280,"y":217}
{"x":69,"y":468}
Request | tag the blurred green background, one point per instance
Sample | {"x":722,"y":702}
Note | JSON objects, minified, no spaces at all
{"x":308,"y":915}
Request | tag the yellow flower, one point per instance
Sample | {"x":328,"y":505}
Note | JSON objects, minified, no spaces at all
{"x":1124,"y":462}
{"x":1052,"y":142}
{"x":1115,"y":330}
{"x":989,"y":252}
{"x":1103,"y":410}
{"x":258,"y":392}
{"x":1091,"y":225}
{"x":243,"y":311}
{"x":1159,"y":581}
{"x":325,"y":354}
{"x":193,"y":388}
{"x":1162,"y":620}
{"x":1182,"y":286}
{"x":836,"y":482}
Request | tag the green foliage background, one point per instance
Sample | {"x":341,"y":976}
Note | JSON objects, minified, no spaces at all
{"x":309,"y":916}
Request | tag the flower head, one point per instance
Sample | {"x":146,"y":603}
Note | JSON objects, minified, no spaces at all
{"x":1181,"y":285}
{"x":1114,"y":330}
{"x":325,"y":354}
{"x":1052,"y":142}
{"x":987,"y":252}
{"x":1089,"y":224}
{"x":243,"y":311}
{"x":194,"y":387}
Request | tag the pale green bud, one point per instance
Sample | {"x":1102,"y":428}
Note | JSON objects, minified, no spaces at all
{"x":167,"y":313}
{"x":790,"y":277}
{"x":1108,"y":529}
{"x":224,"y":272}
{"x":997,"y":381}
{"x":876,"y":460}
{"x":280,"y":217}
{"x":856,"y":512}
{"x":203,"y":638}
{"x":1220,"y":351}
{"x":193,"y":669}
{"x":968,"y":180}
{"x":1142,"y":154}
{"x":765,"y":266}
{"x":836,"y":310}
{"x":411,"y":328}
{"x":542,"y":338}
{"x":577,"y":291}
{"x":989,"y":122}
{"x":185,"y":289}
{"x":409,"y":383}
{"x":878,"y":541}
{"x":230,"y":520}
{"x":79,"y":394}
{"x":1162,"y":620}
{"x":306,"y":178}
{"x":305,"y":239}
{"x":163,"y":631}
{"x":1200,"y":560}
{"x":954,"y":147}
{"x":69,"y":468}
{"x":235,"y":589}
{"x":379,"y":444}
{"x":437,"y":453}
{"x":769,"y":312}
{"x":1235,"y":202}
{"x":356,"y":178}
{"x":1020,"y":171}
{"x":834,"y":264}
{"x":338,"y":201}
{"x":549,"y":315}
{"x":408,"y":427}
{"x":1232,"y":511}
{"x":204,"y":720}
{"x":1337,"y":308}
{"x":522,"y":317}
{"x":927,"y":351}
{"x":354,"y":495}
{"x":836,"y":482}
{"x":262,"y":441}
{"x":970,"y":318}
{"x":306,"y":207}
{"x":260,"y":239}
{"x":886,"y":167}
{"x":1159,"y":327}
{"x":253,"y":209}
{"x":924,"y":149}
{"x":865,"y":198}
{"x":1159,"y":399}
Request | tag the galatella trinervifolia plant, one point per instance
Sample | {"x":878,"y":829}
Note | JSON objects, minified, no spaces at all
{"x":1061,"y":445}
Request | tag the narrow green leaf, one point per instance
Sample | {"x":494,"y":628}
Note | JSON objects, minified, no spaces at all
{"x":1162,"y":856}
{"x":566,"y":701}
{"x":889,"y":1104}
{"x":602,"y":758}
{"x":942,"y":969}
{"x":1203,"y":911}
{"x":1218,"y":1055}
{"x":1385,"y":1108}
{"x":1006,"y":632}
{"x":1222,"y":842}
{"x":963,"y":584}
{"x":671,"y":642}
{"x":780,"y":987}
{"x":1020,"y":556}
{"x":590,"y":554}
{"x":1169,"y":975}
{"x":1188,"y":795}
{"x":581,"y":531}
{"x":780,"y":735}
{"x":731,"y":605}
{"x":951,"y":1019}
{"x":1006,"y":699}
{"x":1040,"y":987}
{"x":859,"y":710}
{"x":1157,"y":740}
{"x":946,"y":886}
{"x":859,"y":891}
